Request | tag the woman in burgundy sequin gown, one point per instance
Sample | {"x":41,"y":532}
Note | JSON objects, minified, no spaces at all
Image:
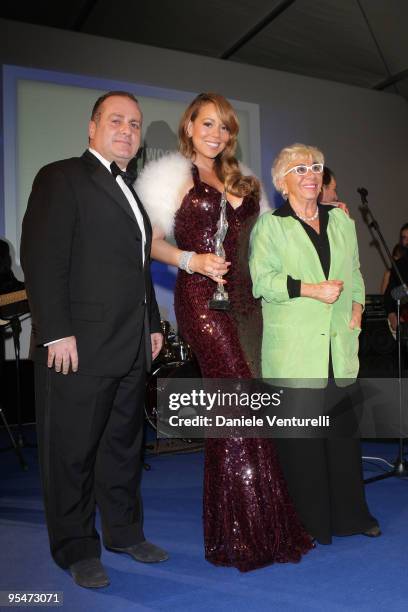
{"x":249,"y":519}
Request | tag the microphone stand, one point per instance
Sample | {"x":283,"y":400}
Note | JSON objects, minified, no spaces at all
{"x":15,"y":326}
{"x":400,"y":468}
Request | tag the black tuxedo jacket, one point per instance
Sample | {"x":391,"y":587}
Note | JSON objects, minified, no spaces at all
{"x":82,"y":260}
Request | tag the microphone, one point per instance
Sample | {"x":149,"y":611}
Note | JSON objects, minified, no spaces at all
{"x":363,"y":195}
{"x":362,"y":191}
{"x":399,"y":292}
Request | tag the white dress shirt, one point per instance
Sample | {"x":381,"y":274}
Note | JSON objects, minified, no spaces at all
{"x":129,"y":197}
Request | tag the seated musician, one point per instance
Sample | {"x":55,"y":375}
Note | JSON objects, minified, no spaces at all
{"x":390,"y":303}
{"x":8,"y":282}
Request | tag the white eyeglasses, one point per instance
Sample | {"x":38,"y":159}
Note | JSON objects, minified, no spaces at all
{"x":302,"y":169}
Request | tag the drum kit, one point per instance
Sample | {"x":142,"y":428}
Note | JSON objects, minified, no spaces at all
{"x":175,"y":360}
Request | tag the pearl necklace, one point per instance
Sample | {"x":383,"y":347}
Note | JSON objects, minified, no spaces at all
{"x":307,"y":219}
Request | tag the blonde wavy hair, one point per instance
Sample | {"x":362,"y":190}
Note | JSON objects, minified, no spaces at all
{"x":287,"y":158}
{"x":225,"y":164}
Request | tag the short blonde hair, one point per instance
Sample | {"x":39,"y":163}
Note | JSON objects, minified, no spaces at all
{"x":288,"y":155}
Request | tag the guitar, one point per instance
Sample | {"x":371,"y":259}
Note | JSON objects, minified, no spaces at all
{"x":11,"y":298}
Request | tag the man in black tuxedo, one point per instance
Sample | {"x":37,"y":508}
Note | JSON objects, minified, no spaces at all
{"x":85,"y":251}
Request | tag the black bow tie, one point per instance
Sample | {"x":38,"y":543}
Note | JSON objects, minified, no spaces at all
{"x":129,"y":176}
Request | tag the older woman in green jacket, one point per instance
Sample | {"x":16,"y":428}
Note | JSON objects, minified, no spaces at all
{"x":305,"y":266}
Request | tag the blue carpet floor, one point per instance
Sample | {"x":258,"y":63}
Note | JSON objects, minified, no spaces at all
{"x":354,"y":573}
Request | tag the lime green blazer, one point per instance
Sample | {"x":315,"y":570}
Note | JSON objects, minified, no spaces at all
{"x":298,"y":333}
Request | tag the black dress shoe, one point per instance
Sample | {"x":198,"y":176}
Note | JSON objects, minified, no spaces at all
{"x":372,"y":532}
{"x":89,"y":573}
{"x":145,"y":552}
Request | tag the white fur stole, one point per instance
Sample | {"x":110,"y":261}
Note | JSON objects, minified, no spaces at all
{"x":162,"y":185}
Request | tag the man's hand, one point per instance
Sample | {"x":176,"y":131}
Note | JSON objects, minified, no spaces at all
{"x":157,"y":343}
{"x":63,"y":354}
{"x":355,"y":321}
{"x":343,"y":207}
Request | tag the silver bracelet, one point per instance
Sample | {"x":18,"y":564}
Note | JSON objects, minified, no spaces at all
{"x":184,"y":263}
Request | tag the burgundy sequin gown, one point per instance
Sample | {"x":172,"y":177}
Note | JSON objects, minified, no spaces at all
{"x":249,"y":520}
